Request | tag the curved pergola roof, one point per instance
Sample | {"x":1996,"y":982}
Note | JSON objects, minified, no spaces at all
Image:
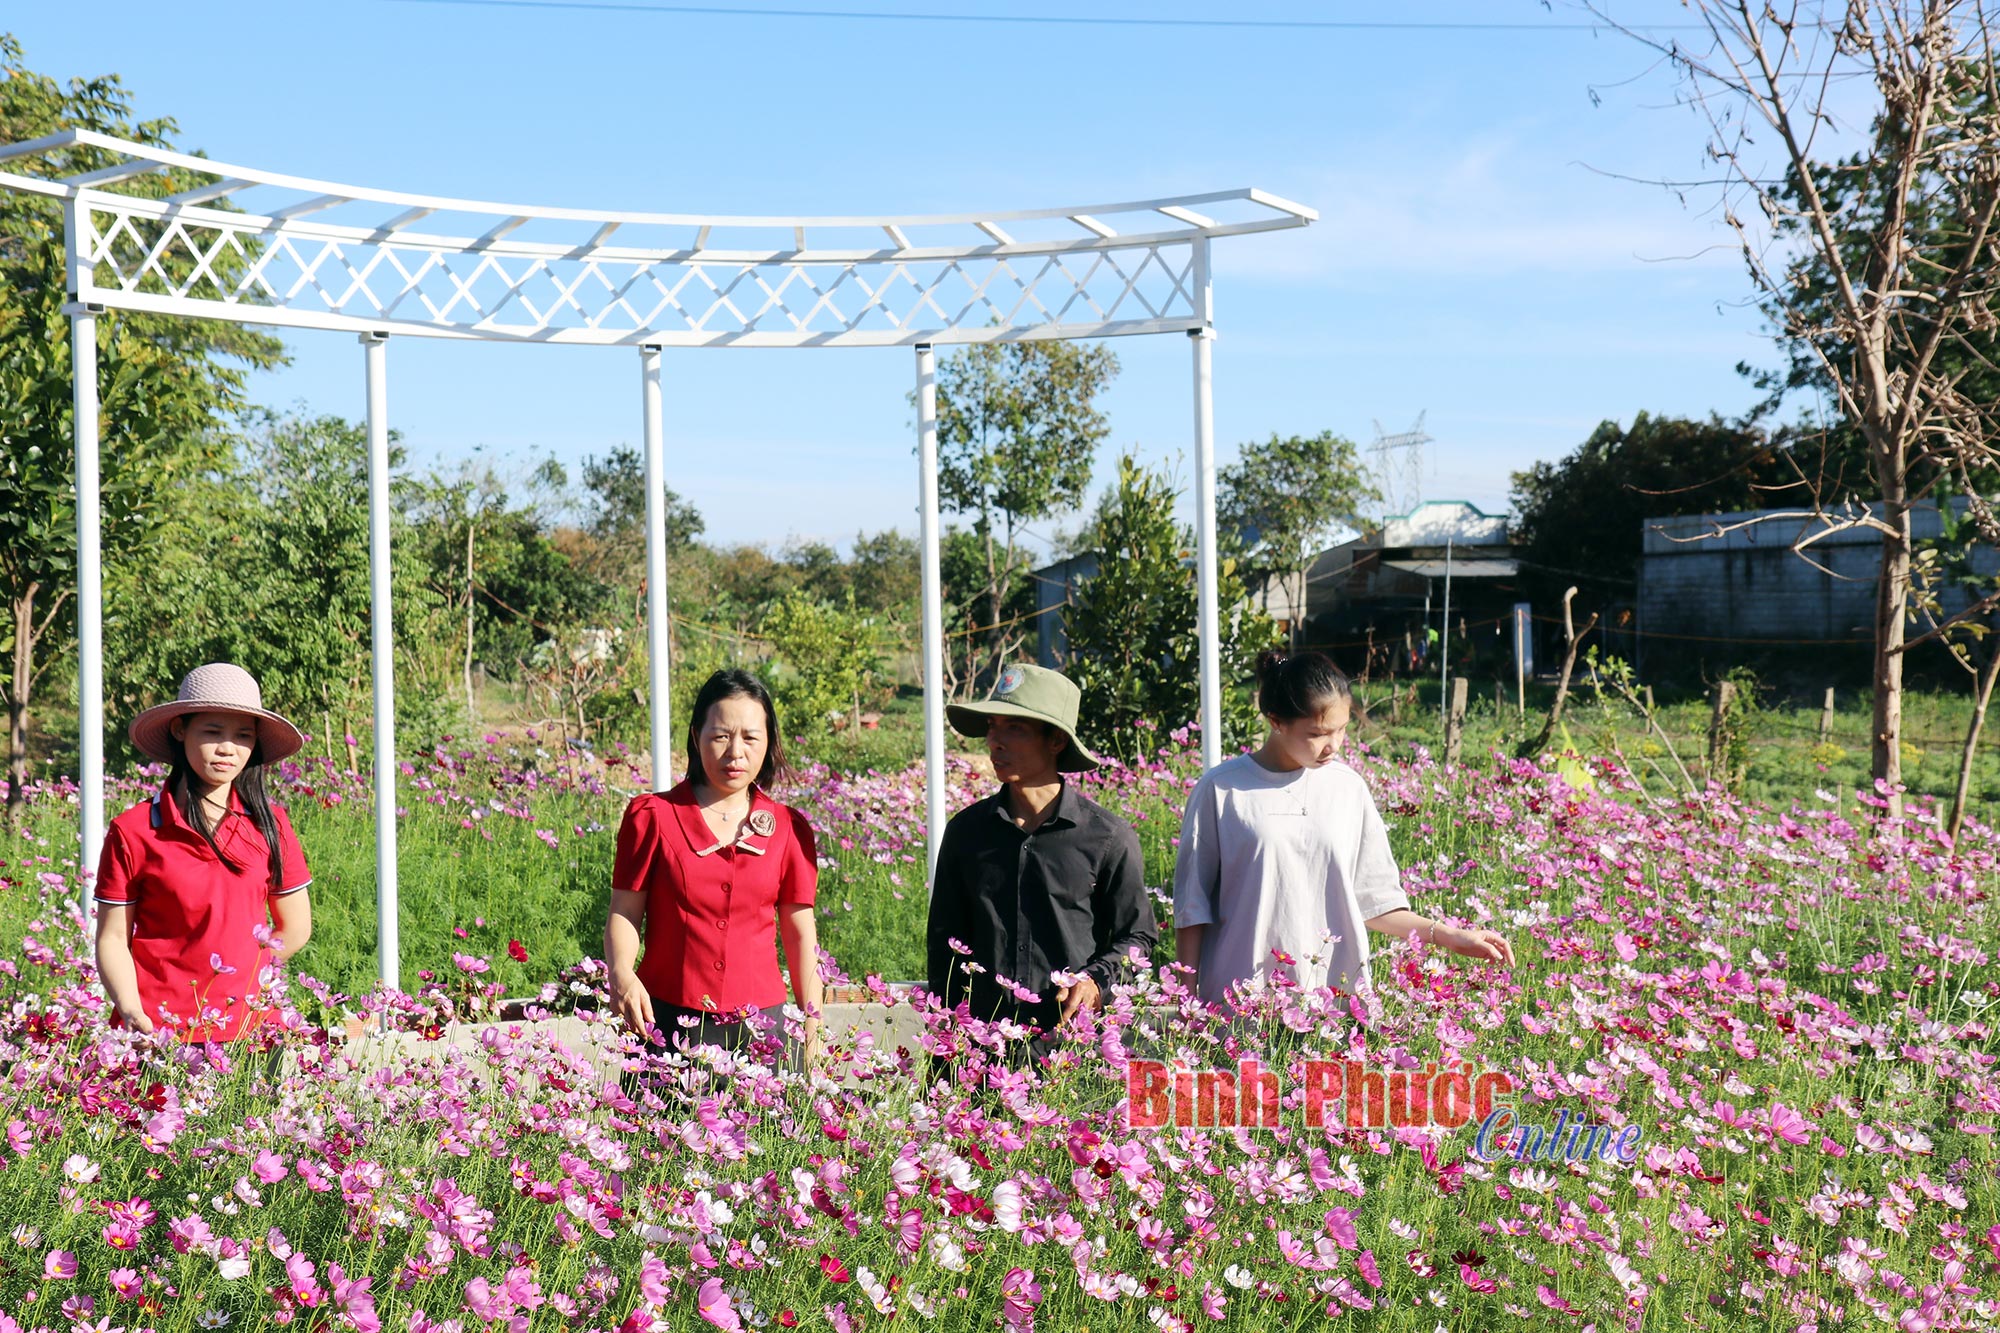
{"x":315,"y":254}
{"x":261,"y":247}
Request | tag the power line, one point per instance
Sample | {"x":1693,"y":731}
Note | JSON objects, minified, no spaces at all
{"x":1056,"y":20}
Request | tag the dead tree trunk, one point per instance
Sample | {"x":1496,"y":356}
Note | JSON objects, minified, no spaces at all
{"x":1719,"y":698}
{"x":1534,"y":745}
{"x":1454,"y":721}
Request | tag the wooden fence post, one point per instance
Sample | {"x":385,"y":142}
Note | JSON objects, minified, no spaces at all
{"x":1826,"y":718}
{"x":1454,"y":721}
{"x":1719,"y":696}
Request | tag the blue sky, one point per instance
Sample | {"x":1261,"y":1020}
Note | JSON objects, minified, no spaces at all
{"x":1472,"y":261}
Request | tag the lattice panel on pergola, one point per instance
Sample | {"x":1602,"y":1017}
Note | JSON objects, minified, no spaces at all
{"x":338,"y":279}
{"x":310,"y":254}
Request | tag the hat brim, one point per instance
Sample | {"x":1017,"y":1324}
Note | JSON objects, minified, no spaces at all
{"x":973,"y":719}
{"x":277,"y":738}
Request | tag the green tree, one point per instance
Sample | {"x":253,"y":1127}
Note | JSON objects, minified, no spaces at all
{"x":266,"y":565}
{"x":1578,"y":519}
{"x":1133,"y":646}
{"x":826,"y":657}
{"x":888,"y":574}
{"x":1018,"y":429}
{"x":1283,"y":499}
{"x":165,"y":385}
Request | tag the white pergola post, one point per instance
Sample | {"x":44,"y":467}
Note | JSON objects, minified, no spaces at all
{"x":89,"y":594}
{"x":933,"y":671}
{"x":382,"y":650}
{"x":658,"y":628}
{"x":1207,"y":625}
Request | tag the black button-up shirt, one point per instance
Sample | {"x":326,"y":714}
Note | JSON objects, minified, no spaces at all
{"x":1069,"y":896}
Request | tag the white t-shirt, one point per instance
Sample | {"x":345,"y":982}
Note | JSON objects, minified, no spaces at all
{"x":1294,"y":861}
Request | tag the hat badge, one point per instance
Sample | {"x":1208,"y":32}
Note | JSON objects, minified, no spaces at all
{"x":1010,"y":680}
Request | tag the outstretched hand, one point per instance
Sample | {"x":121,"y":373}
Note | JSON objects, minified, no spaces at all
{"x":1488,"y":946}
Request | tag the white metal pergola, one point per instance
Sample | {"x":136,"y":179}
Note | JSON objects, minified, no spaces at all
{"x":291,"y":252}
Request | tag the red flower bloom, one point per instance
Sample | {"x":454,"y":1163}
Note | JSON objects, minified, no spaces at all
{"x":834,"y":1269}
{"x":517,"y":951}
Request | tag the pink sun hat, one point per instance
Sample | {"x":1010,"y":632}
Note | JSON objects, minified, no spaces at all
{"x":219,"y":687}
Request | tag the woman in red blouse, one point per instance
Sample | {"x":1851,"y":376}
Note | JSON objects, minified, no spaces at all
{"x":201,"y":889}
{"x":704,"y":872}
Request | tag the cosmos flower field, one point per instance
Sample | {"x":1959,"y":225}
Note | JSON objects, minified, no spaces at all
{"x":1796,"y":1008}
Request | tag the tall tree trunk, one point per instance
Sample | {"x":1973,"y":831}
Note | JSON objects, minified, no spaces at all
{"x":1981,"y":696}
{"x":1892,"y":595}
{"x":997,"y":579}
{"x":17,"y":700}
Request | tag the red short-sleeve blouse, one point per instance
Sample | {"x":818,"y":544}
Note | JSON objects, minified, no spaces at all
{"x":711,"y":910}
{"x":194,"y":920}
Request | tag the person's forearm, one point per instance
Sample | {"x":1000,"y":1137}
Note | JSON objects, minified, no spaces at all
{"x":1187,"y":945}
{"x":621,"y":946}
{"x":291,"y":922}
{"x":120,"y":977}
{"x":1404,"y":924}
{"x":802,"y":952}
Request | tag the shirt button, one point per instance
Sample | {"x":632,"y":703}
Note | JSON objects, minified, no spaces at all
{"x":718,"y":967}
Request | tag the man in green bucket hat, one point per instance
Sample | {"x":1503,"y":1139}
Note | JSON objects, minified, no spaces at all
{"x":1037,"y":878}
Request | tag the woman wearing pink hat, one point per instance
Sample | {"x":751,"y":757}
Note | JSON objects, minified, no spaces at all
{"x":203,"y":886}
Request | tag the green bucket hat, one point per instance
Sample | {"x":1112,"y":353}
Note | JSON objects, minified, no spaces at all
{"x":1026,"y":690}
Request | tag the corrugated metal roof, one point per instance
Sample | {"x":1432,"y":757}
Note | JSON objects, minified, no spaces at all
{"x":1460,"y":569}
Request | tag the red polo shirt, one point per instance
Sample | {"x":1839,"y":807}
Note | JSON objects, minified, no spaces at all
{"x":193,"y":917}
{"x":711,"y":910}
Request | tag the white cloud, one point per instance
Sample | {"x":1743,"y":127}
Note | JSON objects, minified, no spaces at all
{"x":1501,"y":204}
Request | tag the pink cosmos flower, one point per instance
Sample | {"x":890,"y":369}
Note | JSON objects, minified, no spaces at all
{"x":1340,"y":1226}
{"x":59,"y":1266}
{"x":712,"y":1304}
{"x":1553,"y":1301}
{"x":122,"y":1236}
{"x":1789,"y":1125}
{"x":654,"y":1282}
{"x":127,"y":1283}
{"x":268,"y":1167}
{"x":222,"y":969}
{"x":1019,"y":1295}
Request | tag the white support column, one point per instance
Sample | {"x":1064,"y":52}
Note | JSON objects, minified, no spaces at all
{"x":927,"y":508}
{"x":1207,"y":624}
{"x":382,"y":650}
{"x":89,"y":594}
{"x":658,"y":635}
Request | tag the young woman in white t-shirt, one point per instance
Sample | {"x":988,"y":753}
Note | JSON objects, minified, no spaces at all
{"x":1284,"y":861}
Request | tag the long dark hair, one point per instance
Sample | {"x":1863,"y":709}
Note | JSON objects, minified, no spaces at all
{"x":256,"y":805}
{"x":730,"y":683}
{"x":1296,"y":685}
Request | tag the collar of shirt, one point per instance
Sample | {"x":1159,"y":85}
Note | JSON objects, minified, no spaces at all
{"x":1062,"y":811}
{"x":167,"y":816}
{"x":754,"y":836}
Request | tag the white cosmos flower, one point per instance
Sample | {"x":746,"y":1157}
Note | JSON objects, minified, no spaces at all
{"x":80,"y":1169}
{"x":947,"y":1253}
{"x":1238,"y":1277}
